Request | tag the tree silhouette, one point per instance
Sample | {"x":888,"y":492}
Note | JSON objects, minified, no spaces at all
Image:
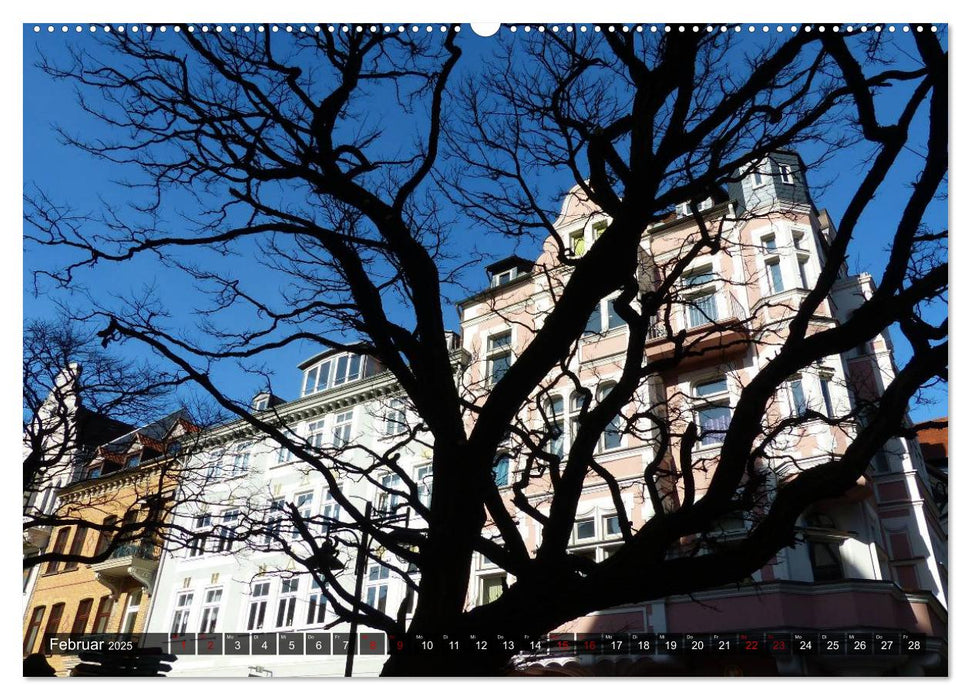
{"x":353,"y":166}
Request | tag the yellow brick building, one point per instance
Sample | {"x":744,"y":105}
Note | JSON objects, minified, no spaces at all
{"x":129,"y":482}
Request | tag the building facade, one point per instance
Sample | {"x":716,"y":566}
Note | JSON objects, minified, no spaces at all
{"x":251,"y":583}
{"x":873,"y":559}
{"x":57,"y":444}
{"x":127,"y":481}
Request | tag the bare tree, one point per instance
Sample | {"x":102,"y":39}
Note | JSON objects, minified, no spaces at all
{"x":330,"y":157}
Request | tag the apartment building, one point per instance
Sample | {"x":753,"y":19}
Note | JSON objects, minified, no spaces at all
{"x":873,"y":559}
{"x":126,"y":481}
{"x":238,"y":576}
{"x":57,"y":443}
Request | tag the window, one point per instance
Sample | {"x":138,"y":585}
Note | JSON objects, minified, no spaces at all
{"x":423,"y":479}
{"x":394,"y":418}
{"x":53,"y":624}
{"x":594,"y":323}
{"x":824,"y":555}
{"x":60,"y":542}
{"x":93,"y":472}
{"x":604,"y":318}
{"x":377,"y":589}
{"x":33,"y":628}
{"x":210,"y":610}
{"x":803,"y":262}
{"x":283,"y":454}
{"x":700,"y":299}
{"x":824,"y":382}
{"x":274,"y":521}
{"x":257,"y":606}
{"x":133,"y":461}
{"x":758,"y":179}
{"x":201,"y":525}
{"x":348,"y":369}
{"x":317,"y":607}
{"x":503,"y":277}
{"x":106,"y":534}
{"x":304,"y":503}
{"x":240,"y":460}
{"x":499,"y":355}
{"x":103,"y":615}
{"x":501,"y":471}
{"x":342,"y":428}
{"x":173,"y":448}
{"x":183,"y":606}
{"x":329,"y":509}
{"x":585,"y":529}
{"x":226,"y":532}
{"x":388,"y":496}
{"x":315,"y":433}
{"x":81,"y":616}
{"x":773,"y":265}
{"x":613,"y":318}
{"x":317,"y":378}
{"x":491,"y":588}
{"x":287,"y":603}
{"x":785,"y":172}
{"x":131,"y":611}
{"x":261,"y":404}
{"x":77,"y":547}
{"x":578,"y":401}
{"x":578,"y":244}
{"x":611,"y":526}
{"x":799,"y":406}
{"x":613,"y":434}
{"x":553,"y":418}
{"x":712,"y":409}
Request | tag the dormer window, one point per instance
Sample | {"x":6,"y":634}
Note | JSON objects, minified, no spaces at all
{"x":785,"y":172}
{"x":684,"y":209}
{"x":132,"y":461}
{"x":334,"y":371}
{"x":506,"y":270}
{"x":348,"y":369}
{"x":261,"y":403}
{"x":502,"y":278}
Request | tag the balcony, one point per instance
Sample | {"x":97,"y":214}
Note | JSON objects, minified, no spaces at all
{"x":36,"y":537}
{"x":705,"y":341}
{"x":133,"y":562}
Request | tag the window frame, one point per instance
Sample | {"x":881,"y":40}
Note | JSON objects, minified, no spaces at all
{"x":693,"y":292}
{"x":210,"y":609}
{"x":60,"y":542}
{"x":184,"y":600}
{"x":343,"y":428}
{"x":495,"y":352}
{"x":708,"y":401}
{"x":378,"y":583}
{"x":256,"y":610}
{"x":132,"y":605}
{"x":33,"y":628}
{"x":396,"y":417}
{"x":103,"y":615}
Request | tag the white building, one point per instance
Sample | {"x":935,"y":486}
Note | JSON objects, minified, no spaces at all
{"x":215,"y":585}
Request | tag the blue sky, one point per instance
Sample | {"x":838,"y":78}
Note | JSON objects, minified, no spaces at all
{"x":86,"y":184}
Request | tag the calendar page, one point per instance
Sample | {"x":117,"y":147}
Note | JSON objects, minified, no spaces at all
{"x":512,"y":349}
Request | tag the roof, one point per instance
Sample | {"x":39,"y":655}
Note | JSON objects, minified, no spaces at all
{"x":511,"y":261}
{"x":932,"y":436}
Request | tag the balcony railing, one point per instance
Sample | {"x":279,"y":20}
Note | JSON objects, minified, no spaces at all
{"x":142,"y":550}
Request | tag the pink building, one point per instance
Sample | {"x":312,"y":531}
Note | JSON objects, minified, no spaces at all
{"x":872,"y":560}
